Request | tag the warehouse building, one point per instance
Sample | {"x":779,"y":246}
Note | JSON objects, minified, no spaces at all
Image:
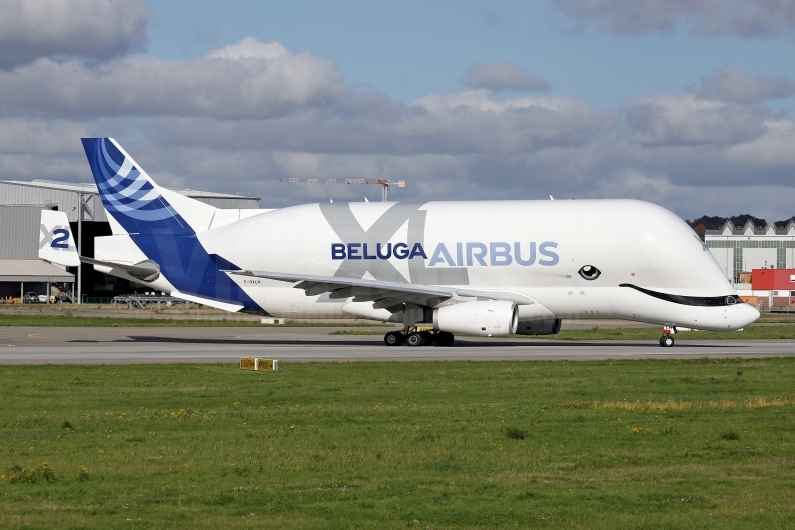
{"x":740,"y":250}
{"x":771,"y":289}
{"x":20,"y":213}
{"x":749,"y":255}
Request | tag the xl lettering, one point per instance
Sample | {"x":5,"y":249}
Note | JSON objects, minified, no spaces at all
{"x":378,"y":256}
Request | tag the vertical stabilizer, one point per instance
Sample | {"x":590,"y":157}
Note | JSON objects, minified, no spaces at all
{"x":162,"y":224}
{"x":134,"y":200}
{"x":56,"y":243}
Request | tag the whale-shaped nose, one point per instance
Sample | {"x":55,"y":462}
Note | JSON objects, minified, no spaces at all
{"x":742,"y":315}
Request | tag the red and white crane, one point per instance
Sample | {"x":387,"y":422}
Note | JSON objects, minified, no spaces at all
{"x":383,"y":182}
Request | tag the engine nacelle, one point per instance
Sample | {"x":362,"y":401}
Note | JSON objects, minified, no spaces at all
{"x":548,"y":326}
{"x":493,"y":317}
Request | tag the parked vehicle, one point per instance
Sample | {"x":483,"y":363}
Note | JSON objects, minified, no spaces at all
{"x":30,"y":298}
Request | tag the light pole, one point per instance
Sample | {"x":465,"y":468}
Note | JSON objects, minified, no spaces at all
{"x":79,"y":246}
{"x":83,"y":198}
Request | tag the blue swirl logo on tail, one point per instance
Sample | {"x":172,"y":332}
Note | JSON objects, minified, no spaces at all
{"x":158,"y":230}
{"x":125,"y":191}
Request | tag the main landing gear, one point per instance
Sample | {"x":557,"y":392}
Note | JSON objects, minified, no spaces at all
{"x":419,"y":337}
{"x":667,"y":340}
{"x":394,"y":338}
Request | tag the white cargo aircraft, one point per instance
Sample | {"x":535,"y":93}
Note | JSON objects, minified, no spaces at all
{"x":439,"y":268}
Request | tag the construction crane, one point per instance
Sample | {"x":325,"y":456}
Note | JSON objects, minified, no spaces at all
{"x":384,"y":183}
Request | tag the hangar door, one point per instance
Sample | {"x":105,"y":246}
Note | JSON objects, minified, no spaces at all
{"x":725,"y":258}
{"x":757,"y":258}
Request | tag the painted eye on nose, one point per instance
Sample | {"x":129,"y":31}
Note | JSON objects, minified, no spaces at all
{"x":589,"y":272}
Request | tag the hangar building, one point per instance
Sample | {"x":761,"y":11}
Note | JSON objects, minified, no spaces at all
{"x":739,"y":250}
{"x":21,"y":270}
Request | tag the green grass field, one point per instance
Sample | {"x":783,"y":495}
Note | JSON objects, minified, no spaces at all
{"x":609,"y":444}
{"x":114,"y":322}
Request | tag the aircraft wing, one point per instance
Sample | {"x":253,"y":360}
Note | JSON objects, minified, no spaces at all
{"x":384,"y":294}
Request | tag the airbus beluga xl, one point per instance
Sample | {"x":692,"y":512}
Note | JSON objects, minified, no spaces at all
{"x":485,"y":268}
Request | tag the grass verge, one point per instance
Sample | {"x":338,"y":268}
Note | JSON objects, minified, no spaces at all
{"x":113,"y":322}
{"x":610,"y":444}
{"x":749,"y":333}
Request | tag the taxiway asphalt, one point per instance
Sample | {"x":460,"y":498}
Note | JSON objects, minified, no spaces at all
{"x":60,"y":345}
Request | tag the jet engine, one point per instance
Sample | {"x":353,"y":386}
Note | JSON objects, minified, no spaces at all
{"x":493,"y":317}
{"x":548,"y":326}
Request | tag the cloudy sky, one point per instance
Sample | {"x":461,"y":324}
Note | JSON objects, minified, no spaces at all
{"x":686,"y":103}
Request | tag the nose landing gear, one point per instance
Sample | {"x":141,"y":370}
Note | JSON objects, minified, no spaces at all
{"x":667,"y":340}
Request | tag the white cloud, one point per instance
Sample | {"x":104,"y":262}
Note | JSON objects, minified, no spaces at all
{"x":692,"y":201}
{"x":251,"y":48}
{"x":100,"y":29}
{"x":457,"y":124}
{"x":251,"y":112}
{"x":42,"y":137}
{"x":687,"y":120}
{"x":774,"y":149}
{"x":249,"y":79}
{"x":503,"y":76}
{"x":728,"y":84}
{"x":743,"y":18}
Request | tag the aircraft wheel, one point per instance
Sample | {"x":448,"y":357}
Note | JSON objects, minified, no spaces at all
{"x":445,"y":338}
{"x":394,"y":338}
{"x":666,"y":341}
{"x":414,"y":339}
{"x":427,"y":338}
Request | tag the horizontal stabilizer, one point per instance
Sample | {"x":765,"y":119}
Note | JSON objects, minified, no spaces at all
{"x":147,"y":270}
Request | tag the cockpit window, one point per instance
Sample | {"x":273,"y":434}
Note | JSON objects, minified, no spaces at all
{"x":700,"y":301}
